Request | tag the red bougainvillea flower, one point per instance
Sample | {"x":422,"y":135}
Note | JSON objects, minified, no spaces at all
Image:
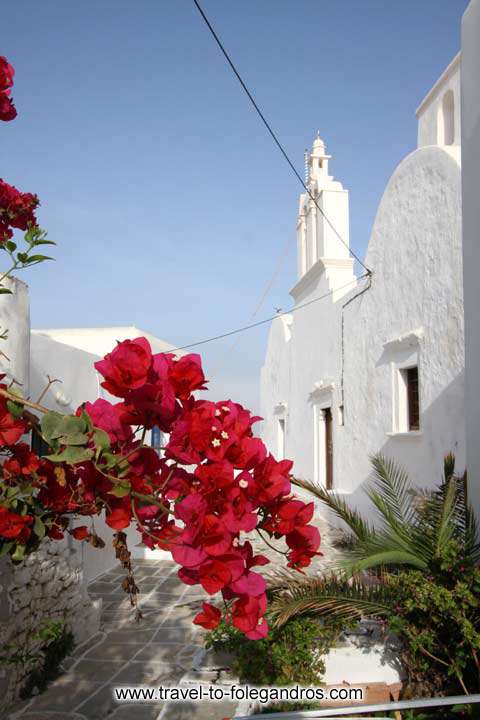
{"x":214,"y":575}
{"x":80,"y":533}
{"x":304,"y":543}
{"x":247,"y":613}
{"x":22,"y":462}
{"x":186,"y":375}
{"x":287,"y":515}
{"x":209,"y":618}
{"x":13,"y":525}
{"x":11,"y":430}
{"x":119,"y":518}
{"x":7,"y":108}
{"x":232,"y":485}
{"x":7,"y":73}
{"x":16,"y":209}
{"x":126,"y":368}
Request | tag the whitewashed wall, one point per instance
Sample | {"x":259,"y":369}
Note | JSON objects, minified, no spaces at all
{"x":69,"y":355}
{"x":412,"y":312}
{"x":471,"y":235}
{"x":15,"y":317}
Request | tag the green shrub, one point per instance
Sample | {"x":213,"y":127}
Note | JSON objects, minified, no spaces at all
{"x":438,"y":618}
{"x":284,"y":657}
{"x":58,"y":643}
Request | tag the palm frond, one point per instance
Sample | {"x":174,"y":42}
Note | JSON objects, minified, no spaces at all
{"x":360,"y":528}
{"x":332,"y":597}
{"x":367,"y":559}
{"x":391,"y":483}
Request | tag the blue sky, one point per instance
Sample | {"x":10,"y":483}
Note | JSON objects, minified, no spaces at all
{"x":169,"y":202}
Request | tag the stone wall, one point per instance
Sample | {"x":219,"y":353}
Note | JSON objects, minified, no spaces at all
{"x":47,"y":585}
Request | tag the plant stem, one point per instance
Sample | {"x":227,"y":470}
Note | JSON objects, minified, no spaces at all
{"x":269,"y":545}
{"x":20,"y":401}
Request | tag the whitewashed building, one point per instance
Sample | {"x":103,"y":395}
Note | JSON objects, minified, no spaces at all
{"x":471,"y":237}
{"x":67,"y":355}
{"x":376,"y":363}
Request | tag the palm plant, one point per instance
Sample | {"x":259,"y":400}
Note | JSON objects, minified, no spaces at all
{"x":413,"y":527}
{"x":414,"y":530}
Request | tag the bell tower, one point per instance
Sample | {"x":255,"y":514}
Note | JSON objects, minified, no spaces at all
{"x":317,"y":239}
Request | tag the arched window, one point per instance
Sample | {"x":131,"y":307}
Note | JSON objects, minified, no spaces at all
{"x":446,"y":124}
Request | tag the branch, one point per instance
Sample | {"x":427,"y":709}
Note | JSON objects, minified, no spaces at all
{"x":20,"y":401}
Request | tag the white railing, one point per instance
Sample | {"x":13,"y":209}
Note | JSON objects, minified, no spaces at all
{"x":355,"y":710}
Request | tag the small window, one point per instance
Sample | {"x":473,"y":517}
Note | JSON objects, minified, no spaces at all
{"x":281,"y":438}
{"x":413,"y":404}
{"x":408,"y":400}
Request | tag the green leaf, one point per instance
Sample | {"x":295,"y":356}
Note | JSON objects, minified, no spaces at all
{"x":5,"y":291}
{"x":19,"y":553}
{"x":22,"y":257}
{"x":101,"y":439}
{"x":14,"y":409}
{"x":39,"y":528}
{"x":75,"y":438}
{"x":51,"y":425}
{"x":120,"y":490}
{"x":5,"y":547}
{"x":109,"y":459}
{"x":38,"y":258}
{"x":44,"y":242}
{"x":72,"y":455}
{"x":11,"y":246}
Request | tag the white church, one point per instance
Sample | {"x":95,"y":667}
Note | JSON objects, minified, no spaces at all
{"x":376,"y":364}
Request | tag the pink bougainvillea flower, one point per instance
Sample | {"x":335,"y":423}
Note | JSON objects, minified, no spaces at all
{"x":108,"y":417}
{"x":259,"y":632}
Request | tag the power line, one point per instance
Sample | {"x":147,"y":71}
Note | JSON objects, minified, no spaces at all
{"x":273,"y":135}
{"x":258,"y":306}
{"x":269,"y":319}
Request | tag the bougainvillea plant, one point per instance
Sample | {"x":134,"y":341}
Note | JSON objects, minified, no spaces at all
{"x":17,"y":209}
{"x":214,"y":484}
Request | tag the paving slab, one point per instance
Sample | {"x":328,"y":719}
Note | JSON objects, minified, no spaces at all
{"x":117,"y":651}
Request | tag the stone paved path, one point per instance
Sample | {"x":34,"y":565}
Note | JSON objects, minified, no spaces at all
{"x":164,"y":648}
